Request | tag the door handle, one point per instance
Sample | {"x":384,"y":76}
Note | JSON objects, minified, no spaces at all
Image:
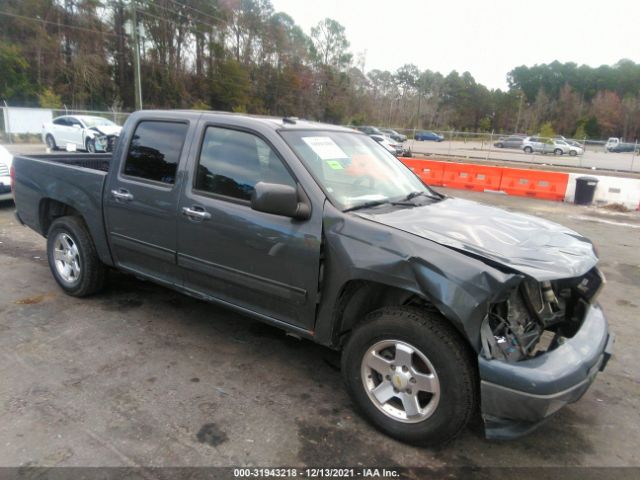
{"x":122,"y":194}
{"x":196,"y":213}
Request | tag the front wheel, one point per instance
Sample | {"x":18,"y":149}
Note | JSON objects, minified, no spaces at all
{"x":573,"y":153}
{"x":51,"y":142}
{"x":410,"y":374}
{"x":73,"y":259}
{"x":91,"y":145}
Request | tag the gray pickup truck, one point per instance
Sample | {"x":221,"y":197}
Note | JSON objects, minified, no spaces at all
{"x":441,"y":307}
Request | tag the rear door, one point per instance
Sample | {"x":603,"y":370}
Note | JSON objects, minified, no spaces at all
{"x":61,"y":129}
{"x":141,"y":199}
{"x":268,"y":264}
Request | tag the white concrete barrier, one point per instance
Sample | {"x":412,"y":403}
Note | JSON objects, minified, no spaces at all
{"x":625,"y":191}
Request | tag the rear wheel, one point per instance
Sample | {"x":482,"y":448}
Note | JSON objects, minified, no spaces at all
{"x":51,"y":142}
{"x":528,"y":149}
{"x":558,"y":151}
{"x":410,"y":374}
{"x":73,"y":259}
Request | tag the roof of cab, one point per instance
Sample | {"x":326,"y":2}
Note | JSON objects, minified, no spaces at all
{"x":277,"y":123}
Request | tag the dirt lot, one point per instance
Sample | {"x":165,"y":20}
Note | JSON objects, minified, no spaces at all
{"x":142,"y":376}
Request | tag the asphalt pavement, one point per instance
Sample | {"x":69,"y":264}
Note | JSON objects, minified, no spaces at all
{"x":143,"y":376}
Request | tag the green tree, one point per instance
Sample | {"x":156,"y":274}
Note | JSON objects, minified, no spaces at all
{"x":330,"y":44}
{"x":230,"y":87}
{"x":49,"y":99}
{"x":547,"y":131}
{"x":15,"y":83}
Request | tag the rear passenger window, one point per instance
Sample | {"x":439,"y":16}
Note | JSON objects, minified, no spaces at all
{"x":154,"y":151}
{"x":232,"y":162}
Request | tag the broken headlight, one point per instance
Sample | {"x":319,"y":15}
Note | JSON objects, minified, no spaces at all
{"x":537,"y":316}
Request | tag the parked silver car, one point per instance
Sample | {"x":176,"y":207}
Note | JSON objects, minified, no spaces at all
{"x":550,"y":145}
{"x":512,"y":141}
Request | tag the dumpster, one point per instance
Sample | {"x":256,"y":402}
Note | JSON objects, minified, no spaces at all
{"x":585,"y":190}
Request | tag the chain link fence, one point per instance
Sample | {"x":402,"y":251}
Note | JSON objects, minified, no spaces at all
{"x":470,"y":146}
{"x":492,"y":147}
{"x":24,"y":125}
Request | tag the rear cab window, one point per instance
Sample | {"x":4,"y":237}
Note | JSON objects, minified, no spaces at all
{"x":154,"y":151}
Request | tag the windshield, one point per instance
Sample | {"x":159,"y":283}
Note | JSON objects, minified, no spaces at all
{"x":97,"y":122}
{"x":353,"y":169}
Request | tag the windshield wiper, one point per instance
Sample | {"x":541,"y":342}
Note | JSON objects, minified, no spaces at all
{"x":413,"y":195}
{"x":372,"y":203}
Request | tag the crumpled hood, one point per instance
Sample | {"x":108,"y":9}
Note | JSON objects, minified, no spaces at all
{"x":541,"y":249}
{"x":108,"y":129}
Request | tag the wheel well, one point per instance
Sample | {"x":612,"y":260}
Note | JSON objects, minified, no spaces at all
{"x":360,"y":297}
{"x":50,"y":210}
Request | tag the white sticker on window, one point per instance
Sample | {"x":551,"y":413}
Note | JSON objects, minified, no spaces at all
{"x":325,"y":147}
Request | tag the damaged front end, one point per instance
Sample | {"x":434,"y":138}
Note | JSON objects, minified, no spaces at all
{"x":542,"y":345}
{"x":104,"y":142}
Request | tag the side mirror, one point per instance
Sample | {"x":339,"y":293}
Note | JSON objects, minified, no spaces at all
{"x":279,"y":200}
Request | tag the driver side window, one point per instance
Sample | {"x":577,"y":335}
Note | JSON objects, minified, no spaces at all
{"x":232,"y":162}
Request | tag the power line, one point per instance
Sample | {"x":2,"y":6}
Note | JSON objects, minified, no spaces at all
{"x":194,"y":21}
{"x":195,"y":10}
{"x":58,"y":24}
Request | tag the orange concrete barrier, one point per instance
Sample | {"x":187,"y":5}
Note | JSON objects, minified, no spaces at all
{"x":429,"y":171}
{"x":470,"y":176}
{"x":534,"y":183}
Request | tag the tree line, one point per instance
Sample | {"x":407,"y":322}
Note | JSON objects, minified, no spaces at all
{"x":243,"y":56}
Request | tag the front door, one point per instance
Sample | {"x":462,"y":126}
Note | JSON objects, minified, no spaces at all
{"x":75,"y":132}
{"x":266,"y":263}
{"x":142,"y":198}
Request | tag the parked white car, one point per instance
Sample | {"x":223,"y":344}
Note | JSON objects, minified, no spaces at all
{"x":550,"y":145}
{"x":391,"y":145}
{"x":81,"y":132}
{"x":6,"y":159}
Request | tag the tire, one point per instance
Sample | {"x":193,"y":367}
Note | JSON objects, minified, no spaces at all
{"x":499,"y":145}
{"x":90,"y":145}
{"x":558,"y":151}
{"x":51,"y":142}
{"x":573,"y":153}
{"x":73,"y":259}
{"x":441,"y":362}
{"x":528,"y":150}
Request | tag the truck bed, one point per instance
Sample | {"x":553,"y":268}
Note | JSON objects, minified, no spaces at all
{"x":41,"y":182}
{"x":94,"y":161}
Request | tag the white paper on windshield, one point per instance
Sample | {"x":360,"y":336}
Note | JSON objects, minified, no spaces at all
{"x":325,"y":147}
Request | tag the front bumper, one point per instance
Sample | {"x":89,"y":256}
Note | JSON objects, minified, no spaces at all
{"x":5,"y":189}
{"x":517,"y":397}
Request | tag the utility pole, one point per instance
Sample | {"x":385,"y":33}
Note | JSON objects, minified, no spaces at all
{"x":136,"y":56}
{"x":519,"y":111}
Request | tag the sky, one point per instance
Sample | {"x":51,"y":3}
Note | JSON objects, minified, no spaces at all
{"x":487,"y":38}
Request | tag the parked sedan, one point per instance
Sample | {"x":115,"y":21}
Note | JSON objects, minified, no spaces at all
{"x":426,"y":135}
{"x":391,"y":145}
{"x":6,"y":160}
{"x":369,"y":130}
{"x":398,"y":137}
{"x":83,"y":132}
{"x":512,"y":141}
